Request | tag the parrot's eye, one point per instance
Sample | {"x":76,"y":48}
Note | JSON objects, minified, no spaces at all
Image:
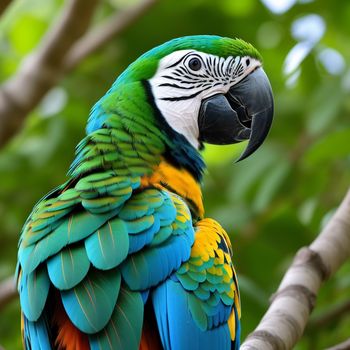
{"x":195,"y":64}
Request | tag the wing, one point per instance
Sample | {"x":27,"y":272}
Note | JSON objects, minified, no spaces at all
{"x":88,"y":255}
{"x":199,"y":306}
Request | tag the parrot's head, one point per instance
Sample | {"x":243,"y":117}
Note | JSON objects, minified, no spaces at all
{"x":209,"y":89}
{"x":187,"y":92}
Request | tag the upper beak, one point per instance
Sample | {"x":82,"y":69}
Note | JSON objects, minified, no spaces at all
{"x":245,"y":112}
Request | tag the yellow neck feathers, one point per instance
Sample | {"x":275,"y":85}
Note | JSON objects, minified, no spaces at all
{"x":179,"y":181}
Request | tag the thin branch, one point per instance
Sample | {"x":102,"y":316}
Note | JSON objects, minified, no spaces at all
{"x":3,"y":6}
{"x":103,"y":33}
{"x":42,"y":69}
{"x":330,"y":316}
{"x":59,"y":53}
{"x":285,"y":320}
{"x":342,"y":346}
{"x":7,"y":291}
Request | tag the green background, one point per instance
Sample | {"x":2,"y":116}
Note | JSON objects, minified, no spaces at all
{"x":272,"y":203}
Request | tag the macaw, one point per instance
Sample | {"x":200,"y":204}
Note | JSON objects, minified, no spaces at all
{"x":121,"y":255}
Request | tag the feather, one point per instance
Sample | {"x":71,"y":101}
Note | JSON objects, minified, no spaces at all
{"x":109,"y":245}
{"x":139,"y":225}
{"x":103,"y":205}
{"x":144,"y":214}
{"x":150,"y":266}
{"x":208,"y":280}
{"x":138,"y":241}
{"x":177,"y":328}
{"x":142,"y":204}
{"x":90,"y":304}
{"x":101,"y":184}
{"x":167,"y":212}
{"x":188,"y":282}
{"x":67,"y":268}
{"x":123,"y":331}
{"x":236,"y":336}
{"x":201,"y":293}
{"x":162,"y":235}
{"x":36,"y":335}
{"x":33,"y":290}
{"x":74,"y":228}
{"x":67,"y":336}
{"x":197,"y":312}
{"x":30,"y":237}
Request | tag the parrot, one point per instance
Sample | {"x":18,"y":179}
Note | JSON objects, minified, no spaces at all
{"x":121,"y":255}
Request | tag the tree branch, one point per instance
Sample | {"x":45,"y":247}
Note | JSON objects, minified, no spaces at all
{"x":285,"y":320}
{"x":42,"y":69}
{"x":330,"y":316}
{"x":7,"y":291}
{"x":342,"y":346}
{"x":3,"y":5}
{"x":103,"y":33}
{"x":61,"y":50}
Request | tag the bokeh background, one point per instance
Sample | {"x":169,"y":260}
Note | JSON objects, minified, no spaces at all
{"x":272,"y":203}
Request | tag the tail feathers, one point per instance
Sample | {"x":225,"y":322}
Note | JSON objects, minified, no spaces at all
{"x":178,"y":329}
{"x":35,"y":334}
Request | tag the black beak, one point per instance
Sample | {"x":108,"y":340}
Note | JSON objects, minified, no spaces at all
{"x":245,"y":112}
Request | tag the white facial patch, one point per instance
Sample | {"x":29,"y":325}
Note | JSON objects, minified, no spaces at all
{"x":186,"y":77}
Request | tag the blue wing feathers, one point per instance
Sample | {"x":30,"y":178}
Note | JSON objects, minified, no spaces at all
{"x":138,"y":241}
{"x":152,"y":265}
{"x":109,"y":245}
{"x":34,"y":289}
{"x":90,"y":304}
{"x":73,"y":229}
{"x":123,"y":330}
{"x":36,"y":334}
{"x":178,"y":330}
{"x":107,"y":265}
{"x":68,"y":267}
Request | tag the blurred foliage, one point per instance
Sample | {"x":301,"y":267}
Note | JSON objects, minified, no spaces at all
{"x":272,"y":203}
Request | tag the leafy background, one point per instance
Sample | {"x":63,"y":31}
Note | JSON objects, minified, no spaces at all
{"x":272,"y":203}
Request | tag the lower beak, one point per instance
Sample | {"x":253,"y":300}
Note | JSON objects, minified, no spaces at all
{"x":244,"y":113}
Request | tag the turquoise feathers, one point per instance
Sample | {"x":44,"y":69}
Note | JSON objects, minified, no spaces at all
{"x":87,"y":246}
